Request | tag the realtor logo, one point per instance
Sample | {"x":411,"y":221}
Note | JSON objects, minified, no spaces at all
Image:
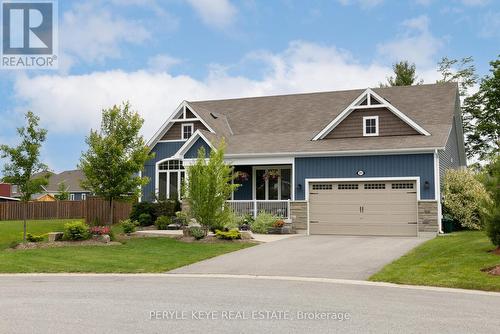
{"x":29,"y":34}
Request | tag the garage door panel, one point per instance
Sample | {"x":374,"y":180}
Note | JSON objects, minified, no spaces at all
{"x":374,"y":209}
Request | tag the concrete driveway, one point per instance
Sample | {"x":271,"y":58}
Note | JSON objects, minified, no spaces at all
{"x":310,"y":256}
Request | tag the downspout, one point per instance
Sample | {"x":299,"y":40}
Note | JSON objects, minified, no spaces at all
{"x":437,"y":189}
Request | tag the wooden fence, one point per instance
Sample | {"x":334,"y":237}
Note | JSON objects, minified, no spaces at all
{"x":92,"y":209}
{"x":97,"y":211}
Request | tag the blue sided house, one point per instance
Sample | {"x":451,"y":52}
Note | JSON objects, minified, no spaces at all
{"x":354,"y":162}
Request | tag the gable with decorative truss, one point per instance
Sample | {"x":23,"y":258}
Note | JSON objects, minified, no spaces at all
{"x":370,"y":115}
{"x":183,"y":123}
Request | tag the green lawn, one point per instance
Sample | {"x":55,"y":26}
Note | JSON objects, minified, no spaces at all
{"x":12,"y":230}
{"x":453,"y":260}
{"x":134,"y":256}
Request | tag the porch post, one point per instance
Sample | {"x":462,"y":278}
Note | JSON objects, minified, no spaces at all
{"x":254,"y":209}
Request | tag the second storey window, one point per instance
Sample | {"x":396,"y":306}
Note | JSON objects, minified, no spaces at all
{"x":370,"y":126}
{"x":187,"y":131}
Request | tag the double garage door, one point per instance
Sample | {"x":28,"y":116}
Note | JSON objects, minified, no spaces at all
{"x":363,"y":208}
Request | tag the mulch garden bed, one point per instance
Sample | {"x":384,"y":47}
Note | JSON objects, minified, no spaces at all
{"x":37,"y":245}
{"x":213,"y":239}
{"x":492,"y":270}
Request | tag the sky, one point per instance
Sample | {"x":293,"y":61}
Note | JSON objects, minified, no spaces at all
{"x":156,"y":54}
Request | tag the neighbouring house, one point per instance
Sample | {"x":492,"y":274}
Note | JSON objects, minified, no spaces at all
{"x":354,"y":162}
{"x":6,"y":193}
{"x":5,"y":190}
{"x":71,"y":180}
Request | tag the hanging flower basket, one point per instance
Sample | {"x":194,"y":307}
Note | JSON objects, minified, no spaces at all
{"x":242,"y":176}
{"x":271,"y":174}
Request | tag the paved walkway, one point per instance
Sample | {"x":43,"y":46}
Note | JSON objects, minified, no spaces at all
{"x":178,"y":233}
{"x":310,"y":256}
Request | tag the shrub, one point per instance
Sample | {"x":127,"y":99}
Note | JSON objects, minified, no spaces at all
{"x":208,"y":186}
{"x":34,"y":238}
{"x":162,"y":222}
{"x":76,"y":231}
{"x":145,"y":219}
{"x":181,"y":217}
{"x":493,"y":228}
{"x":165,"y":208}
{"x":465,"y":198}
{"x":128,"y":226}
{"x":229,"y":235}
{"x":233,"y":222}
{"x":197,"y":232}
{"x":263,"y":223}
{"x":141,"y":208}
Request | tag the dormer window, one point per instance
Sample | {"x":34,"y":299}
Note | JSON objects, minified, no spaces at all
{"x":187,"y":130}
{"x":370,"y":126}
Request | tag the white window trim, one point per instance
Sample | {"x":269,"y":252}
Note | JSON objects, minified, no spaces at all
{"x":254,"y":182}
{"x":365,"y":118}
{"x":157,"y":177}
{"x":71,"y":197}
{"x":84,"y":197}
{"x":191,"y":125}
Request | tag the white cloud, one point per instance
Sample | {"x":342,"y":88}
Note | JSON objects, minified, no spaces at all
{"x":162,"y":62}
{"x":90,"y":34}
{"x":73,"y":103}
{"x":362,"y":3}
{"x":216,"y":13}
{"x":416,"y":44}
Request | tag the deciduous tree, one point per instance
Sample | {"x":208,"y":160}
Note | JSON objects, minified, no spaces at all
{"x":209,"y":185}
{"x":115,"y":156}
{"x":24,"y":162}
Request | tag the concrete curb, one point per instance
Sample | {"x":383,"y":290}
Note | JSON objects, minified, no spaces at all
{"x":275,"y":278}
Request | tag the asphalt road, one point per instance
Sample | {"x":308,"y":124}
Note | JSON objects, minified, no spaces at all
{"x":146,"y":304}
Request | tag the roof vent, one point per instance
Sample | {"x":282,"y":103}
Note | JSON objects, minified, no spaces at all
{"x":214,"y":115}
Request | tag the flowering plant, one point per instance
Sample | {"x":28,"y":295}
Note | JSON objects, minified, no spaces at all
{"x":272,"y":174}
{"x":100,"y":230}
{"x":279,"y":223}
{"x":242,"y":176}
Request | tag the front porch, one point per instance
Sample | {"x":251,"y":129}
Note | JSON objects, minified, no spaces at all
{"x":253,"y":207}
{"x":267,"y":188}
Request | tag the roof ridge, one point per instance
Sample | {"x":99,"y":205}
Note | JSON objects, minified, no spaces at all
{"x":323,"y":92}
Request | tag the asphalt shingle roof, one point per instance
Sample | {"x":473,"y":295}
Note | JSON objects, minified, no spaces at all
{"x":287,"y":123}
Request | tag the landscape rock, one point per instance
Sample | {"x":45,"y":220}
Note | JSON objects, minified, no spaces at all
{"x":55,"y":236}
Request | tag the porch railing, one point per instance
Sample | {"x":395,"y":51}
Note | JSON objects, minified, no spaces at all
{"x":253,"y":207}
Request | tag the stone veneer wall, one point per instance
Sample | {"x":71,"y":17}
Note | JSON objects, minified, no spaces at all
{"x":298,"y":215}
{"x":428,"y":216}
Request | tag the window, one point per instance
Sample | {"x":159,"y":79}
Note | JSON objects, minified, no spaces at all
{"x":370,"y":186}
{"x":84,"y":197}
{"x":370,"y":126}
{"x":170,"y":178}
{"x":71,"y":197}
{"x":273,"y":183}
{"x":347,"y":186}
{"x":402,"y":186}
{"x":187,"y":130}
{"x":322,"y":187}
